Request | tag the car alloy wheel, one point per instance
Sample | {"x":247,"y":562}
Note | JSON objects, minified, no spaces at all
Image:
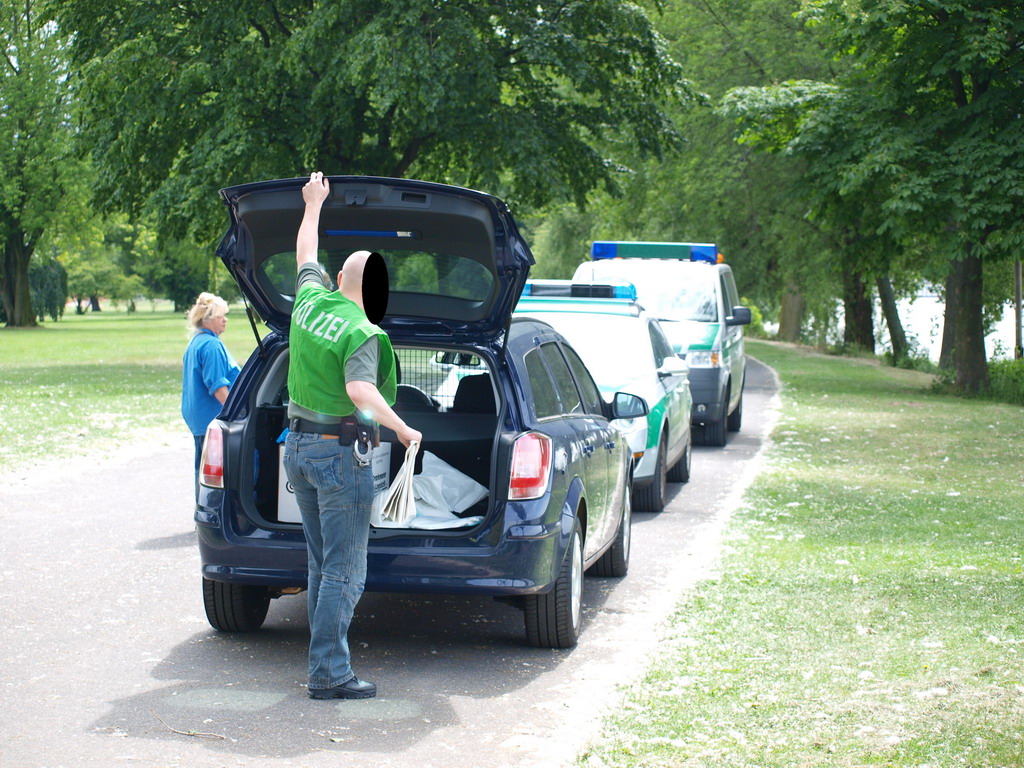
{"x":553,"y":618}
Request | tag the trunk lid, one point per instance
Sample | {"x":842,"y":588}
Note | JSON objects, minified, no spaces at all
{"x":456,"y":260}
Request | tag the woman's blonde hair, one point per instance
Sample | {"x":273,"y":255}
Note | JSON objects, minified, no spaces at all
{"x":207,"y":307}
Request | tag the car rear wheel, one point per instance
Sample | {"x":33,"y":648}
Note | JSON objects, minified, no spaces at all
{"x":235,"y":607}
{"x":680,"y":471}
{"x":553,"y":619}
{"x":651,"y":498}
{"x":615,"y":561}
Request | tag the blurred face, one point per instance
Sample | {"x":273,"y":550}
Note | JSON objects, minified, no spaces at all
{"x":217,"y":323}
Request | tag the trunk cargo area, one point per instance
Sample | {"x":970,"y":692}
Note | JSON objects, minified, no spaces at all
{"x":446,"y":394}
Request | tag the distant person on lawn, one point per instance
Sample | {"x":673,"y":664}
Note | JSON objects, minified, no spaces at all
{"x":208,"y":368}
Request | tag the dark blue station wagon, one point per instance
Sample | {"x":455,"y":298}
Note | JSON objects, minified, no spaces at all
{"x":505,"y":402}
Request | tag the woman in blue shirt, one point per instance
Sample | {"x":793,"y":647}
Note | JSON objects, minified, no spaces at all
{"x":208,"y":368}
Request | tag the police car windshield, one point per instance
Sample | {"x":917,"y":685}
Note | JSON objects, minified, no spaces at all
{"x":670,"y":290}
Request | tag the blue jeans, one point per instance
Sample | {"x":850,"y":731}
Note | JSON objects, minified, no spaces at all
{"x":334,"y":491}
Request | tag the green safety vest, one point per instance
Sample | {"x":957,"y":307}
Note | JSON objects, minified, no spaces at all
{"x":326,"y":328}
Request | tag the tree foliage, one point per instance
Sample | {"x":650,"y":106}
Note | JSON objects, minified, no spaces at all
{"x":35,"y":137}
{"x":710,"y":188}
{"x":508,"y":95}
{"x":919,"y":136}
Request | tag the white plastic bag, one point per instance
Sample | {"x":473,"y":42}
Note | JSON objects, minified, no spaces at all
{"x":444,"y":488}
{"x":397,"y":507}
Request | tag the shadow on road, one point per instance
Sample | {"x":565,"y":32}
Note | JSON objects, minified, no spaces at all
{"x":433,"y":657}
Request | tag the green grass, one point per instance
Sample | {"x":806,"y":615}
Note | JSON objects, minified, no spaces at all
{"x":96,"y":381}
{"x":868,"y":607}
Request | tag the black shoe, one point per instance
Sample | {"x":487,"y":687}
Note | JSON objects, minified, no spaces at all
{"x":353,"y":689}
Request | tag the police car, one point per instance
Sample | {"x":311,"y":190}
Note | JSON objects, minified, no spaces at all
{"x":693,"y":294}
{"x":625,"y":349}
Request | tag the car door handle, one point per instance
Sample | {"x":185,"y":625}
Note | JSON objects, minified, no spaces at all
{"x":610,"y":445}
{"x":588,"y":449}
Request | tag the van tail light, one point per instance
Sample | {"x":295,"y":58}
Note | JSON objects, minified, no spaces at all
{"x":211,"y":465}
{"x":531,"y":466}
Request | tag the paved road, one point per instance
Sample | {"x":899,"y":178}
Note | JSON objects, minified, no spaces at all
{"x":107,"y":658}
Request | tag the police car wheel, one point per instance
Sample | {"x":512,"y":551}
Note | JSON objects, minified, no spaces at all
{"x":736,"y":417}
{"x":680,"y":471}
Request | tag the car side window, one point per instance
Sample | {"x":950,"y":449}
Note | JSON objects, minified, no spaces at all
{"x":660,"y":345}
{"x":571,"y":402}
{"x":591,"y":394}
{"x":545,"y":399}
{"x":734,"y":296}
{"x":727,"y":300}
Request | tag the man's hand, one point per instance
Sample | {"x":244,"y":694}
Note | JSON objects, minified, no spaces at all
{"x":407,"y":434}
{"x":307,"y":241}
{"x":316,"y":189}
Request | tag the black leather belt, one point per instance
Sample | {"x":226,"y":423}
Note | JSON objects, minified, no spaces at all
{"x":345,"y":431}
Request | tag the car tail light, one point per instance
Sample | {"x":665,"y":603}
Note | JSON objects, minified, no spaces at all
{"x":211,"y":465}
{"x":531,"y":466}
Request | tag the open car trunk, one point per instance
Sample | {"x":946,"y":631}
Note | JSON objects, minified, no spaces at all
{"x":448,"y":394}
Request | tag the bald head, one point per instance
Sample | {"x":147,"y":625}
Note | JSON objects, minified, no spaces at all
{"x":364,"y":280}
{"x":350,"y":279}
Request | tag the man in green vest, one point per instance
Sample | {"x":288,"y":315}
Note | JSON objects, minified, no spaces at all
{"x":341,"y":385}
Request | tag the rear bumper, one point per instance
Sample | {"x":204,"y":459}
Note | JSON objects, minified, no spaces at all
{"x":523,"y":560}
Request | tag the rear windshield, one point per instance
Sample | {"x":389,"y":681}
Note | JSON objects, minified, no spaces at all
{"x":416,"y":272}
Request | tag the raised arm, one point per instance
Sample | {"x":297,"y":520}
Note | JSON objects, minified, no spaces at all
{"x":314,"y":193}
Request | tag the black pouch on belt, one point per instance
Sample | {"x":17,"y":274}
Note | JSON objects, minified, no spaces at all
{"x":354,"y":430}
{"x":368,"y":434}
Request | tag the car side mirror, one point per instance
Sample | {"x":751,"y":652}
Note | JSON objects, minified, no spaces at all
{"x":626,"y":406}
{"x":673,"y":366}
{"x":740,"y":316}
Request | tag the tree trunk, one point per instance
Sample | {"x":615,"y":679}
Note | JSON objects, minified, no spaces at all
{"x":791,"y":315}
{"x":1018,"y":288}
{"x":897,"y":337}
{"x":859,"y":330}
{"x":949,"y":321}
{"x":14,"y":286}
{"x":969,"y":351}
{"x":94,"y":304}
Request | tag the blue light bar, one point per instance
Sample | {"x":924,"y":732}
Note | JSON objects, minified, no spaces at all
{"x":636,"y":249}
{"x":708,"y":253}
{"x":569,"y":289}
{"x":372,"y":233}
{"x":547,"y":288}
{"x":603,"y":250}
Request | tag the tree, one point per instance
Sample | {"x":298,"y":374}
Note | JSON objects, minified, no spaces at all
{"x":510,"y":96}
{"x":34,"y":139}
{"x":926,"y":121}
{"x":710,"y":188}
{"x":49,"y":283}
{"x":96,"y":274}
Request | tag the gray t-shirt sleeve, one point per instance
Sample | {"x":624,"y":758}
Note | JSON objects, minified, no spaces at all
{"x":362,"y":364}
{"x":311,"y":272}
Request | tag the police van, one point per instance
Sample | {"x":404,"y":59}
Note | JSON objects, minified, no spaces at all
{"x":693,"y":294}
